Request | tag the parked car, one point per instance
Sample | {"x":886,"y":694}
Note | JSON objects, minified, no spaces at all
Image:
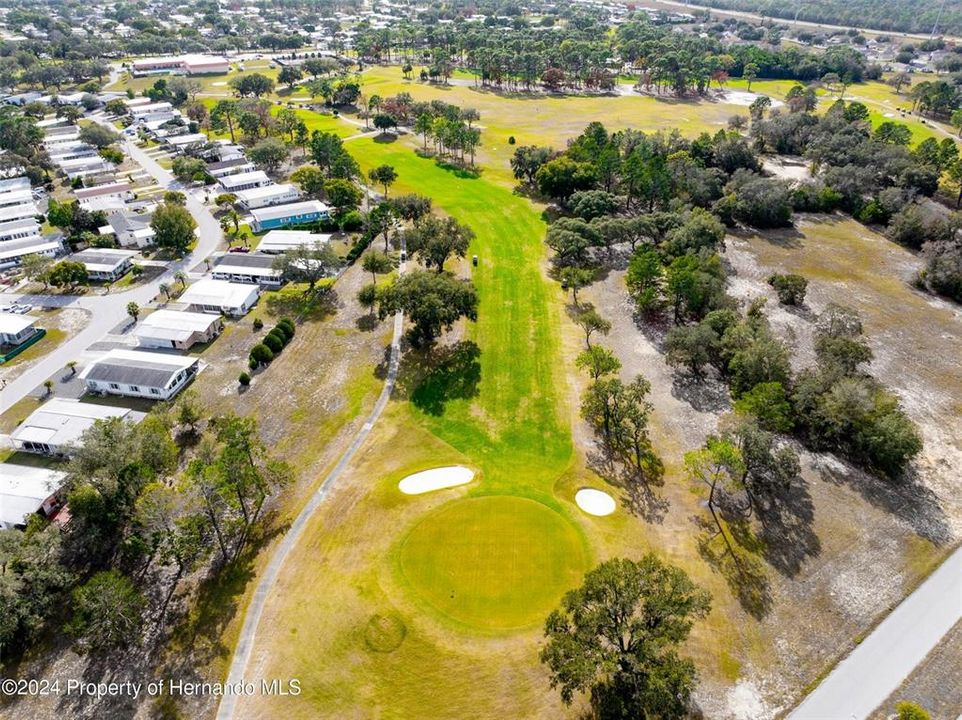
{"x":239,"y":249}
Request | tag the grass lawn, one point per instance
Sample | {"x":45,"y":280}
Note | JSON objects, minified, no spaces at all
{"x":538,"y":119}
{"x":494,"y":562}
{"x":52,"y":338}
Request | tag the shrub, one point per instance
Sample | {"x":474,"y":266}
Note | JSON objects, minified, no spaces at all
{"x":258,"y":323}
{"x":288,"y":325}
{"x":282,"y":332}
{"x":276,"y":332}
{"x":262,"y":354}
{"x":790,"y":288}
{"x":252,"y":363}
{"x":511,"y":140}
{"x":244,"y":379}
{"x":273,"y":342}
{"x":351,"y":221}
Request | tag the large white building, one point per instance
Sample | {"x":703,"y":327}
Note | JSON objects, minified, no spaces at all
{"x":56,"y":426}
{"x":177,"y":329}
{"x":219,"y":296}
{"x":182,"y":65}
{"x":135,"y":373}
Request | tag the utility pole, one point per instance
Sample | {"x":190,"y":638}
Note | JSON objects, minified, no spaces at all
{"x":938,"y":18}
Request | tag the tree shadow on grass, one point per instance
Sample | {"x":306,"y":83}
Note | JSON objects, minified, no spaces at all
{"x":320,"y":305}
{"x":906,"y":497}
{"x":433,"y":377}
{"x":639,"y":498}
{"x":742,"y":567}
{"x":786,"y":516}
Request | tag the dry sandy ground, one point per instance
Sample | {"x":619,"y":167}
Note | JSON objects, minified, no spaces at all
{"x":847,"y":546}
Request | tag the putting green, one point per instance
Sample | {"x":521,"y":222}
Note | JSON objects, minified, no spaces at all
{"x":492,"y":563}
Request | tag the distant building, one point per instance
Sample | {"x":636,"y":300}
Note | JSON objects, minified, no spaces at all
{"x":182,"y":64}
{"x":55,"y":427}
{"x":105,"y":263}
{"x":267,"y":195}
{"x":26,"y":491}
{"x":277,"y":241}
{"x":186,"y":141}
{"x":219,"y":296}
{"x":134,"y":373}
{"x":294,"y":214}
{"x":247,"y":268}
{"x":177,"y":329}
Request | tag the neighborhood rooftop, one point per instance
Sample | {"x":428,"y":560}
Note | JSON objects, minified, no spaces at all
{"x":60,"y":422}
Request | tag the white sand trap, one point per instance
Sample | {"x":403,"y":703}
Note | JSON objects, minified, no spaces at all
{"x":219,"y":84}
{"x":435,"y":479}
{"x":595,"y":502}
{"x":743,"y":97}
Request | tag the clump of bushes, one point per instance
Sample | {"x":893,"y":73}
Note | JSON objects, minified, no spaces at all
{"x":244,"y":379}
{"x":258,"y":324}
{"x":273,"y":343}
{"x":790,"y":288}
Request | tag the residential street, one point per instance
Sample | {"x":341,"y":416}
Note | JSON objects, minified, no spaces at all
{"x":864,"y":679}
{"x":108,"y":311}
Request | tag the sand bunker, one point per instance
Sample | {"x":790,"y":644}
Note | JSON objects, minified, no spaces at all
{"x":742,"y":97}
{"x":595,"y":502}
{"x":435,"y":479}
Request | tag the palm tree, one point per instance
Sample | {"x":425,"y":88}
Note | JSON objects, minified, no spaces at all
{"x":181,"y":277}
{"x":48,"y":386}
{"x":165,"y":289}
{"x":72,"y":367}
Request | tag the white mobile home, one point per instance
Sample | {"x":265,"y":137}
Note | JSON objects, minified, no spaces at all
{"x":219,"y":296}
{"x":267,"y":196}
{"x":244,"y":181}
{"x":55,"y":427}
{"x":135,"y":373}
{"x":16,"y":329}
{"x":253,"y":268}
{"x":277,"y":241}
{"x":105,"y":263}
{"x":26,"y":491}
{"x":177,"y":329}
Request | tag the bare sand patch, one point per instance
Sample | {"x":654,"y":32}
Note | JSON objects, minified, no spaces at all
{"x":435,"y":479}
{"x":595,"y":502}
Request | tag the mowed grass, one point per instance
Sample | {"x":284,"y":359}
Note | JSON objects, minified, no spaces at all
{"x":514,"y":428}
{"x":505,"y":568}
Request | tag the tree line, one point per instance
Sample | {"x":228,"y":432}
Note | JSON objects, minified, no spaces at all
{"x":150,"y":503}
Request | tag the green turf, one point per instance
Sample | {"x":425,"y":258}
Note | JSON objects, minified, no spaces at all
{"x":513,"y":428}
{"x":495,"y":562}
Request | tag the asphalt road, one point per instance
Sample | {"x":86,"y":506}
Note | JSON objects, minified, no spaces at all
{"x":108,"y":311}
{"x":874,"y":670}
